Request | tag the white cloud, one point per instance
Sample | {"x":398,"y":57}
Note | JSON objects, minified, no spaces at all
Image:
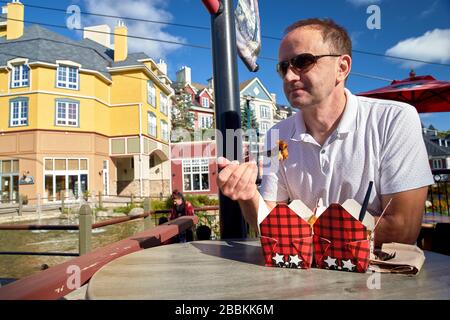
{"x":363,"y":2}
{"x":433,"y":46}
{"x":140,"y":9}
{"x":429,"y":10}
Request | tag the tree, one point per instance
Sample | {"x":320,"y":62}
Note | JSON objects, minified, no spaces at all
{"x":181,"y":116}
{"x":248,"y":117}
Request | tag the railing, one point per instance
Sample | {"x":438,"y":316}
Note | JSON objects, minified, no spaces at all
{"x":63,"y":202}
{"x":58,"y":281}
{"x":438,"y":194}
{"x":86,"y":226}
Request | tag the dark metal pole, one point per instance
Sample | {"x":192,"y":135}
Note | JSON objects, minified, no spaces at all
{"x":228,"y":113}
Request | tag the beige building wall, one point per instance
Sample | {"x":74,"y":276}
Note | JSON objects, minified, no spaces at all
{"x":31,"y":148}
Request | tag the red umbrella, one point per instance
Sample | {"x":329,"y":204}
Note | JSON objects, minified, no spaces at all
{"x":423,"y":92}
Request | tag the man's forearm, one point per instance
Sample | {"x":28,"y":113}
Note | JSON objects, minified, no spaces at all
{"x":395,"y":229}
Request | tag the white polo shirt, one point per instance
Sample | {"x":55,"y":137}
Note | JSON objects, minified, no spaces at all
{"x":376,"y":140}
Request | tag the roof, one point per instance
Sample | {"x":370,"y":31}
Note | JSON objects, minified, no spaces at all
{"x":198,"y":86}
{"x":41,"y":44}
{"x":433,"y":149}
{"x":243,"y":84}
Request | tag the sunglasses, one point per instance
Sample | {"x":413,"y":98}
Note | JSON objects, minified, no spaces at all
{"x":300,"y":62}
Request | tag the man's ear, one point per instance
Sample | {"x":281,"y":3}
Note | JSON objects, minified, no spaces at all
{"x":344,"y":67}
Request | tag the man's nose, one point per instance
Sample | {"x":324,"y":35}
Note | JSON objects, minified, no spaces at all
{"x":291,"y":74}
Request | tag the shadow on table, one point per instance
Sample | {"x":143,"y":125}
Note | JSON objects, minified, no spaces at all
{"x":236,"y":250}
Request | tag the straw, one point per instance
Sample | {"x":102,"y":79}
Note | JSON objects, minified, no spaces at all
{"x":381,"y":216}
{"x":362,"y":213}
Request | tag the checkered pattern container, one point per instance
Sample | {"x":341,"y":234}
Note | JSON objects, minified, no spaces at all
{"x":336,"y":241}
{"x":340,"y":241}
{"x":286,"y":239}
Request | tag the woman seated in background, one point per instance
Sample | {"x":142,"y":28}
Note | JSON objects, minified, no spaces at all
{"x":181,"y":207}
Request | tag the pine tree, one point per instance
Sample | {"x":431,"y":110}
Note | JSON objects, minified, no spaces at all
{"x":246,"y":115}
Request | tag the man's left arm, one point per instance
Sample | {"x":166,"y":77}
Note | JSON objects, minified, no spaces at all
{"x":403,"y":218}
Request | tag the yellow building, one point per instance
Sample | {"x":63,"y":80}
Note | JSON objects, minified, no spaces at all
{"x":79,"y":116}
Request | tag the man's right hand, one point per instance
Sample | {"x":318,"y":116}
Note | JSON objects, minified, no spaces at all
{"x":237,"y":181}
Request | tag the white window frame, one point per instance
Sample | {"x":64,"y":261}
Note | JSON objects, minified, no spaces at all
{"x":437,"y":164}
{"x":65,"y":72}
{"x":188,"y":166}
{"x":264,"y":111}
{"x":263,"y":124}
{"x":22,"y":81}
{"x":151,"y":93}
{"x":66,"y":173}
{"x":164,"y":130}
{"x":205,"y":102}
{"x":66,"y":121}
{"x":206,"y":122}
{"x":152,"y":124}
{"x":164,"y":103}
{"x":20,"y":120}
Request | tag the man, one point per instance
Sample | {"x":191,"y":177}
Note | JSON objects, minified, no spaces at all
{"x":337,"y":142}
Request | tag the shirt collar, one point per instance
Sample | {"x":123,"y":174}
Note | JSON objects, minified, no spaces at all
{"x":347,"y":124}
{"x":348,"y":121}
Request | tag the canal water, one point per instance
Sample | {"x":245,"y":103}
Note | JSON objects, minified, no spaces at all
{"x":12,"y":266}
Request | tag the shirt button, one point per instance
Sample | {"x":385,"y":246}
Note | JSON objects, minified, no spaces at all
{"x":323,"y":151}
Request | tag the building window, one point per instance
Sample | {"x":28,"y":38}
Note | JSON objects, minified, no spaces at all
{"x":152,"y":124}
{"x":164,"y":103}
{"x":9,"y":181}
{"x":164,"y":131}
{"x":205,"y":102}
{"x":205,"y":122}
{"x":195,"y":174}
{"x":67,"y":77}
{"x":65,"y":175}
{"x":264,"y":126}
{"x":265,"y":112}
{"x":437,"y":164}
{"x":151,"y":93}
{"x":20,"y":76}
{"x":18,"y":112}
{"x":67,"y":113}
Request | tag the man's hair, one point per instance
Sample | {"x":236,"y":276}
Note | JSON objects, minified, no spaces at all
{"x":332,"y":33}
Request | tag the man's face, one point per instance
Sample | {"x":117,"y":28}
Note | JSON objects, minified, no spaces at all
{"x":311,"y":86}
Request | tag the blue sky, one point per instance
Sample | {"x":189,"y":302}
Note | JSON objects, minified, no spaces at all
{"x":415,"y":29}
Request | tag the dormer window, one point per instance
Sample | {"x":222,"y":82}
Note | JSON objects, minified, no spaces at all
{"x":67,"y":77}
{"x":205,"y":102}
{"x":20,"y":76}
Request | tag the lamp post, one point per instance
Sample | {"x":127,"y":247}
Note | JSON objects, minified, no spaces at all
{"x":228,"y":113}
{"x":258,"y":177}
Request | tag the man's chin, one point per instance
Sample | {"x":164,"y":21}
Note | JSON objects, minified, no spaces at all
{"x":299,"y":103}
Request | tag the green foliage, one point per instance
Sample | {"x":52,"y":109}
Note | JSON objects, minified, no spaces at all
{"x":97,"y":209}
{"x":160,"y":204}
{"x":248,"y":116}
{"x":126,"y":209}
{"x":181,"y":116}
{"x":443,"y":134}
{"x":86,"y":195}
{"x":201,"y":200}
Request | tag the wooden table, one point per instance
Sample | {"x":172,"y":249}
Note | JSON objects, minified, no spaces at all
{"x":235,"y":270}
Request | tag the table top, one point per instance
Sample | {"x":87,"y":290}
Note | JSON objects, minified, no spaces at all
{"x":234,"y":269}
